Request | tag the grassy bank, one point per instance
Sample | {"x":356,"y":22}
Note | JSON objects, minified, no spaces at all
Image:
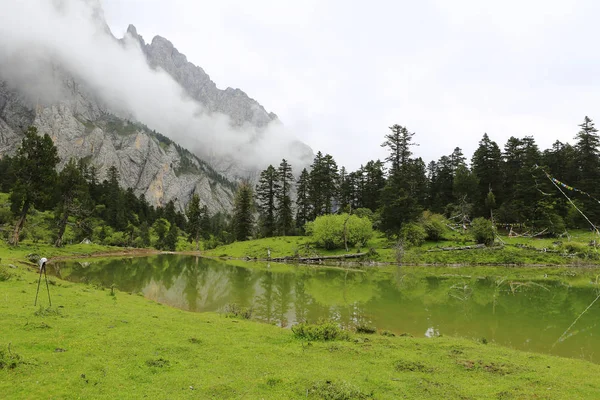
{"x":94,"y":344}
{"x":574,"y":250}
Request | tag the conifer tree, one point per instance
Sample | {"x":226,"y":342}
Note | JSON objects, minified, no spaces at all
{"x":303,"y":205}
{"x":267,"y":190}
{"x":35,"y":174}
{"x":487,"y":169}
{"x":71,"y":186}
{"x":285,"y":215}
{"x":243,"y":212}
{"x":194,"y":216}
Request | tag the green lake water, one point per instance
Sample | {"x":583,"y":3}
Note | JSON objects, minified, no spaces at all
{"x":529,"y":311}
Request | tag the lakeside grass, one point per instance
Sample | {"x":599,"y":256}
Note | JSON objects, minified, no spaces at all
{"x":574,"y":251}
{"x":91,"y":344}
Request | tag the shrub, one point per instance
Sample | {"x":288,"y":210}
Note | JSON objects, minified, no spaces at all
{"x":323,"y":331}
{"x":434,"y":225}
{"x":482,"y":231}
{"x":364,"y":328}
{"x":329,"y":231}
{"x":235,"y":311}
{"x":413,"y":234}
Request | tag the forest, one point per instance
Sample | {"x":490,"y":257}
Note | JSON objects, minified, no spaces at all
{"x":518,"y":188}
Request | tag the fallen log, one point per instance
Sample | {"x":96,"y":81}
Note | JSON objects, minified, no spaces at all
{"x":477,"y":246}
{"x":318,"y":258}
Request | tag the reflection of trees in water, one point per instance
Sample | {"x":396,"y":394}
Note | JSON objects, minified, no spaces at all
{"x":264,"y":303}
{"x":242,"y":282}
{"x":283,"y":297}
{"x":301,"y":299}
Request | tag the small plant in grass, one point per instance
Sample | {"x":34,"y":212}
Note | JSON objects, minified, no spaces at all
{"x":48,"y":311}
{"x":322,"y":331}
{"x":5,"y":274}
{"x":387,"y":333}
{"x":158,"y":363}
{"x":234,"y":310}
{"x":8,"y":359}
{"x":329,"y":390}
{"x":364,"y":328}
{"x":412,"y":366}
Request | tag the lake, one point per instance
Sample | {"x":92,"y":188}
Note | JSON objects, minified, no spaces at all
{"x":533,"y":312}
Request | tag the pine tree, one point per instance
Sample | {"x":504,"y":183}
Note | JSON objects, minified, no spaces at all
{"x":374,"y":184}
{"x":588,"y":163}
{"x":398,"y":143}
{"x":267,"y":190}
{"x":243,"y":209}
{"x":486,"y":165}
{"x":71,"y":186}
{"x":115,"y":200}
{"x":35,"y":174}
{"x":303,"y":204}
{"x":323,"y":188}
{"x":285,"y":215}
{"x":406,"y":187}
{"x":194,"y":216}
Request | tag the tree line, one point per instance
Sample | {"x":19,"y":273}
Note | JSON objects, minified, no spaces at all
{"x":518,"y":185}
{"x":81,"y":207}
{"x":514,"y":186}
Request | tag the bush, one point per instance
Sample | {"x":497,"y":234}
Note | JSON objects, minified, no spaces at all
{"x":413,"y":234}
{"x":235,"y":311}
{"x":482,"y":231}
{"x":434,"y":225}
{"x":364,"y":328}
{"x":329,"y":231}
{"x":323,"y":331}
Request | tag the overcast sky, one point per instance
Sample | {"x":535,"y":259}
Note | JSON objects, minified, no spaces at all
{"x":338,"y":73}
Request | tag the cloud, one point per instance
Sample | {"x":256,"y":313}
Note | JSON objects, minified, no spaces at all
{"x":36,"y":36}
{"x":341,"y":72}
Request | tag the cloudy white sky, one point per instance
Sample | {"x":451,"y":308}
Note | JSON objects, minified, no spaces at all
{"x":338,"y":73}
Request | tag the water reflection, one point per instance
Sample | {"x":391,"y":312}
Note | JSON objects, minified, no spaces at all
{"x":530,"y":315}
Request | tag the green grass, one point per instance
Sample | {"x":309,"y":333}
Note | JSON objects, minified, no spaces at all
{"x":92,"y":344}
{"x":575,"y":250}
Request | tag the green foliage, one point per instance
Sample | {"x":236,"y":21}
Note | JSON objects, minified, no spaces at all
{"x":482,"y":231}
{"x":319,"y":332}
{"x":434,"y":225}
{"x":365,"y":328}
{"x":335,"y":231}
{"x":35,"y":174}
{"x":413,"y":234}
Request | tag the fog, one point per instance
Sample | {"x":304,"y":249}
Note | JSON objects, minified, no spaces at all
{"x":36,"y":36}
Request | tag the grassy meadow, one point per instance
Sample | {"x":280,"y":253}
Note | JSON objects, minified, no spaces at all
{"x":98,"y":343}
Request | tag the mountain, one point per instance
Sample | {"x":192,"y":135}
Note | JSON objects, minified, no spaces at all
{"x":241,"y":109}
{"x":103,"y":100}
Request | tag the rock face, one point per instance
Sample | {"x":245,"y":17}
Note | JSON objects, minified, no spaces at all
{"x":241,"y":109}
{"x":82,"y":128}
